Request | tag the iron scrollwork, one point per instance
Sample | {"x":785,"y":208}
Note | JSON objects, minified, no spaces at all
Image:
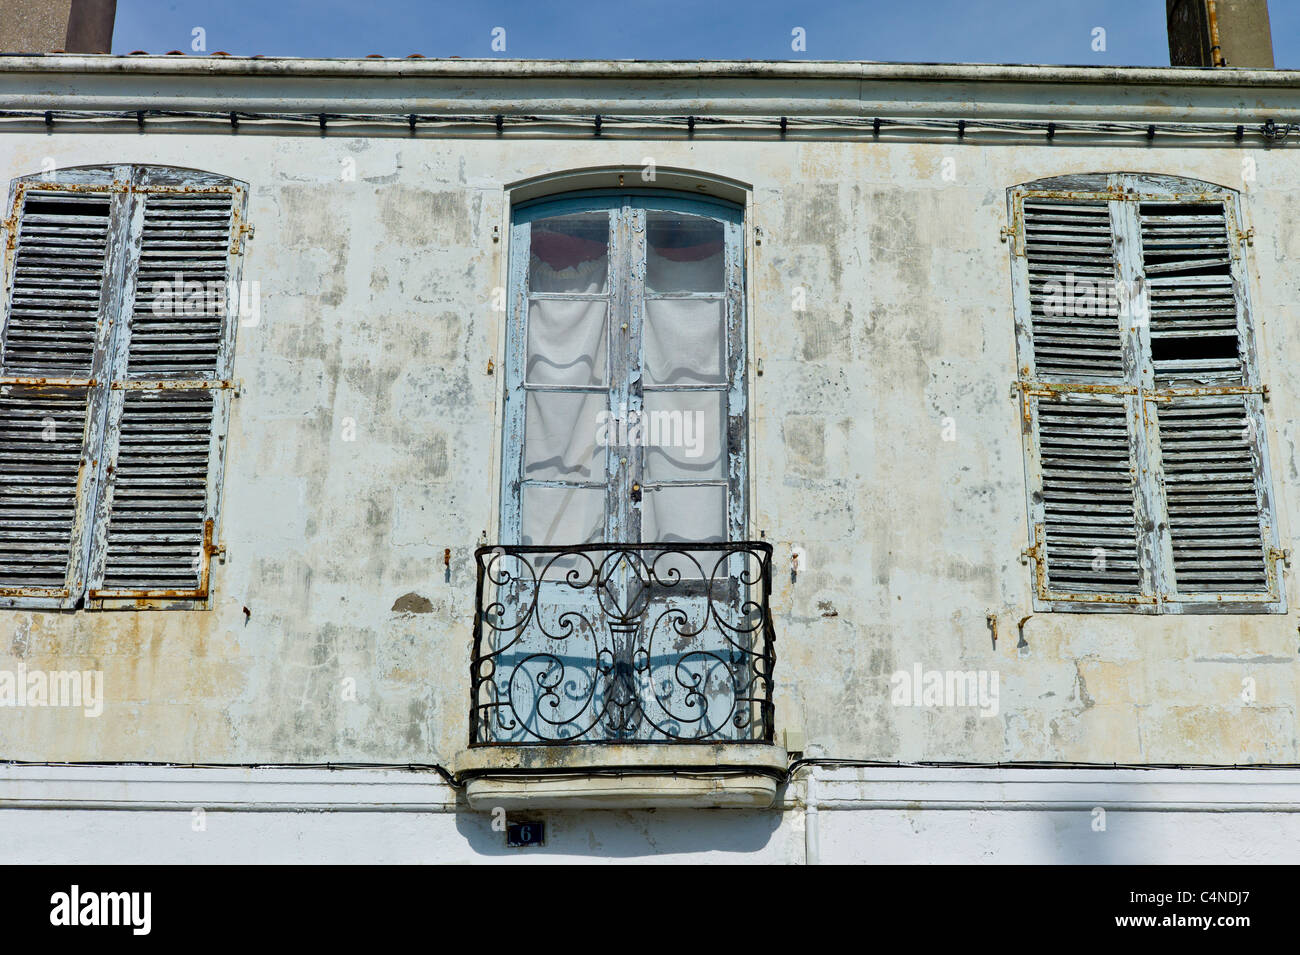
{"x":622,"y":643}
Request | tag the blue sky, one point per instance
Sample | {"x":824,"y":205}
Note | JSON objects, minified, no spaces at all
{"x":947,"y":31}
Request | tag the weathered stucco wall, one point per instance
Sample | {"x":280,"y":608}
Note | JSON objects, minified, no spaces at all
{"x":376,"y":306}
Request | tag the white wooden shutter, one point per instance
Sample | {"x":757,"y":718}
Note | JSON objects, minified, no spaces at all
{"x":171,"y":385}
{"x":1070,"y":255}
{"x":60,"y":287}
{"x":1147,"y":459}
{"x":1084,"y":502}
{"x":1188,"y":265}
{"x":1214,"y":491}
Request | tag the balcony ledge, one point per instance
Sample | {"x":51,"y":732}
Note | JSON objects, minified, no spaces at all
{"x":623,"y":776}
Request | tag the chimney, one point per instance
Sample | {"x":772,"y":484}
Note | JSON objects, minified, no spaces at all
{"x":41,"y":26}
{"x":1219,"y":33}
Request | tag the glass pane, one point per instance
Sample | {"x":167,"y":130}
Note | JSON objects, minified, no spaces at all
{"x":694,"y":514}
{"x":570,"y":253}
{"x":566,"y":342}
{"x":685,"y":342}
{"x":560,"y":430}
{"x":683,"y":253}
{"x":562,"y":515}
{"x":683,"y":435}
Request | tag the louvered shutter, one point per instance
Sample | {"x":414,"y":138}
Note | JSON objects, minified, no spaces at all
{"x":1084,"y":499}
{"x":60,"y":288}
{"x":1086,"y":503}
{"x":1069,"y":251}
{"x":170,"y":398}
{"x":1188,"y":265}
{"x":1146,"y":452}
{"x":1215,"y":497}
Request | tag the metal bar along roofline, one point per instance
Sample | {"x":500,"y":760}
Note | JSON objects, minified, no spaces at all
{"x":720,"y":88}
{"x":351,"y":67}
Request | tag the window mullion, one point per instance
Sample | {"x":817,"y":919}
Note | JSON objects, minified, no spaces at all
{"x":1153,"y":512}
{"x":110,"y":365}
{"x":627,"y":262}
{"x":737,"y":436}
{"x":634,"y":474}
{"x":516,"y":400}
{"x":1155,"y":549}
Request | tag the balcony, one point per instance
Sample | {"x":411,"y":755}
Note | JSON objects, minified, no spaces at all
{"x":622,"y":661}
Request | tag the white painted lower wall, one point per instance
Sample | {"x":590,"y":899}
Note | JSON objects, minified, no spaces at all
{"x":132,"y":814}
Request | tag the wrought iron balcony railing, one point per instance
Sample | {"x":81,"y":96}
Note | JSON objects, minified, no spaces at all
{"x":622,"y":643}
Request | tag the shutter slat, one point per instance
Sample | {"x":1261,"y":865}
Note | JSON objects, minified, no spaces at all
{"x":1188,"y":263}
{"x":185,"y":248}
{"x":1088,"y":498}
{"x":60,"y":236}
{"x":1211,"y":496}
{"x":41,"y":436}
{"x":159,"y":492}
{"x":52,"y":323}
{"x":1070,"y":243}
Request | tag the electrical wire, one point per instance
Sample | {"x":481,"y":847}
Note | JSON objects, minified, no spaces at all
{"x":1269,"y":131}
{"x":831,"y":761}
{"x":458,"y":781}
{"x":447,"y":775}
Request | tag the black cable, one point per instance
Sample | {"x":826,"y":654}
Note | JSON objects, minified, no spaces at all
{"x":458,"y":781}
{"x":1270,"y":131}
{"x":798,"y":764}
{"x":448,"y":776}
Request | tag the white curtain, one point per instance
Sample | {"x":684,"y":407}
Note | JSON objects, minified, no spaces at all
{"x":684,"y":342}
{"x":683,"y":433}
{"x":566,"y":342}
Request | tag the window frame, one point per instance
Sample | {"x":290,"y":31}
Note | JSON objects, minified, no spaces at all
{"x":126,"y":185}
{"x":627,"y":209}
{"x":1142,"y":397}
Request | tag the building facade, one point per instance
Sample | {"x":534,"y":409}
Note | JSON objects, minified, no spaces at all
{"x":726,"y":461}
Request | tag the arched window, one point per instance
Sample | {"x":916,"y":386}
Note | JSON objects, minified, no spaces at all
{"x":623,"y":602}
{"x":625,"y":371}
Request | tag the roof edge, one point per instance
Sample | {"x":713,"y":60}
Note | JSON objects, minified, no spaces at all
{"x":1166,"y":76}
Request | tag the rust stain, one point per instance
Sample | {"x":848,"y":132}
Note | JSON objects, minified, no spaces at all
{"x":43,"y":383}
{"x":172,"y":385}
{"x":144,"y":599}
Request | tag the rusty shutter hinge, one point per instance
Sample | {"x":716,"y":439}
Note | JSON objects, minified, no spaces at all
{"x":10,"y":227}
{"x":244,"y":230}
{"x":211,"y":549}
{"x":1248,"y":236}
{"x":1035,"y":552}
{"x":1007,"y":233}
{"x":1283,"y":554}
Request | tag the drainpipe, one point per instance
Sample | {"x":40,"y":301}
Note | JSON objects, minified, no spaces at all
{"x":1216,"y":51}
{"x":812,"y":845}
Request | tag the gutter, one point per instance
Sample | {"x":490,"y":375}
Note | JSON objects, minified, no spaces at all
{"x":438,"y":89}
{"x":351,"y":68}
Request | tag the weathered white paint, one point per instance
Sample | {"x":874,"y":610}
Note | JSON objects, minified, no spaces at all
{"x":376,"y":306}
{"x":137,"y":814}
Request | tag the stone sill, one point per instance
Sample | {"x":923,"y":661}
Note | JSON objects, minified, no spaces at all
{"x":623,"y":776}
